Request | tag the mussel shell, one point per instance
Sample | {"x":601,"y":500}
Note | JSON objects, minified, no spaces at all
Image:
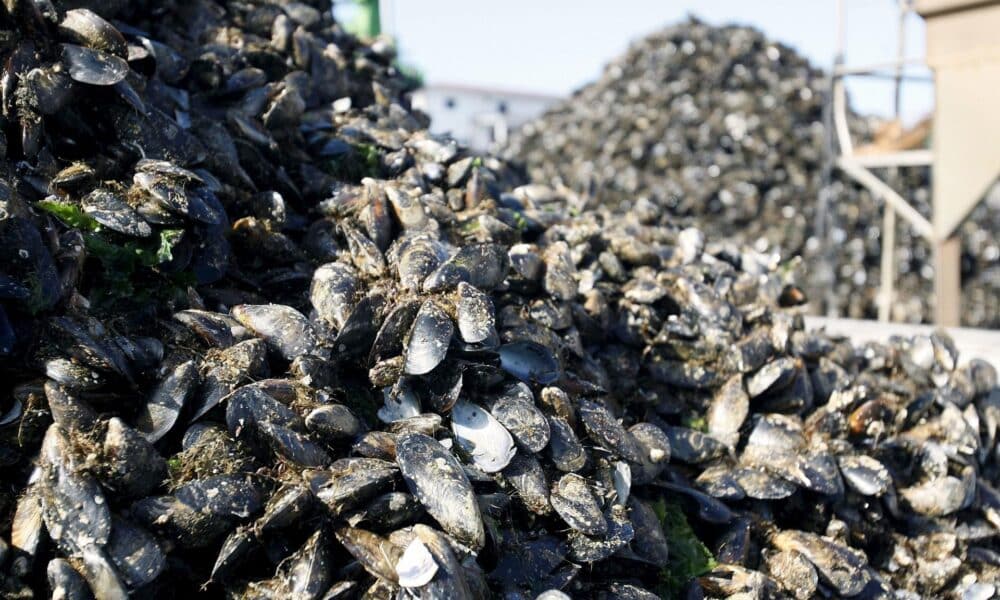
{"x":525,"y":475}
{"x":574,"y":501}
{"x":132,"y":466}
{"x":135,"y":553}
{"x":530,"y":362}
{"x":864,"y":474}
{"x":235,"y":549}
{"x":650,"y":542}
{"x":109,"y":210}
{"x":51,"y":88}
{"x":72,"y":375}
{"x":309,"y":572}
{"x":86,"y":27}
{"x":74,"y":508}
{"x":418,"y":258}
{"x":349,"y":482}
{"x":482,"y":436}
{"x":843,"y":568}
{"x":519,"y":415}
{"x":334,"y":292}
{"x":475,"y":314}
{"x":692,"y":446}
{"x":607,"y":431}
{"x":620,"y":532}
{"x":289,"y":504}
{"x":65,"y":582}
{"x":282,"y":327}
{"x":333,"y":423}
{"x":437,"y":479}
{"x":565,"y":449}
{"x":159,"y":414}
{"x":390,"y":341}
{"x":428,"y":340}
{"x":93,"y":67}
{"x":483,"y":266}
{"x":293,"y":446}
{"x":362,"y":326}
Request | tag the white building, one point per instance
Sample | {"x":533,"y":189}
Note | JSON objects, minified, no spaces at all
{"x":477,"y":116}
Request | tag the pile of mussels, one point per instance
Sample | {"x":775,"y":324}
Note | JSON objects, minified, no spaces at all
{"x":724,"y":128}
{"x":261,"y":336}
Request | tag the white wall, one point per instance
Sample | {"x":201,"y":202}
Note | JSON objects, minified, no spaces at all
{"x":478,"y":117}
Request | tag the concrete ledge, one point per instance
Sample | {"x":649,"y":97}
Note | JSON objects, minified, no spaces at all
{"x":971,"y":343}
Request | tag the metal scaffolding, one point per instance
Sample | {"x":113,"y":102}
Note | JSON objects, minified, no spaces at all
{"x":964,"y":52}
{"x":860,"y":167}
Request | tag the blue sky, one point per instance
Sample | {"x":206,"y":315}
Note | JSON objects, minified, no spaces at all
{"x":556,"y":46}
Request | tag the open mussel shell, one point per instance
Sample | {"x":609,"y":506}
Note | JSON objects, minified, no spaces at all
{"x":416,"y":567}
{"x":376,"y":554}
{"x":263,"y":335}
{"x":482,"y":436}
{"x":449,"y":581}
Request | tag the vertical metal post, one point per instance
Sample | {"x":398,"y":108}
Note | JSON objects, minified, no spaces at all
{"x":886,"y":290}
{"x":904,"y":11}
{"x":369,"y":19}
{"x":947,"y":281}
{"x":886,"y":293}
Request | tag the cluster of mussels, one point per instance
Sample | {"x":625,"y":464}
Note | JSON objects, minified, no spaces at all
{"x":261,"y":336}
{"x":724,"y":128}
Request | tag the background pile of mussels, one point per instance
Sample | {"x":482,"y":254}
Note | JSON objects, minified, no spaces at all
{"x":723,"y":128}
{"x":262,"y":336}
